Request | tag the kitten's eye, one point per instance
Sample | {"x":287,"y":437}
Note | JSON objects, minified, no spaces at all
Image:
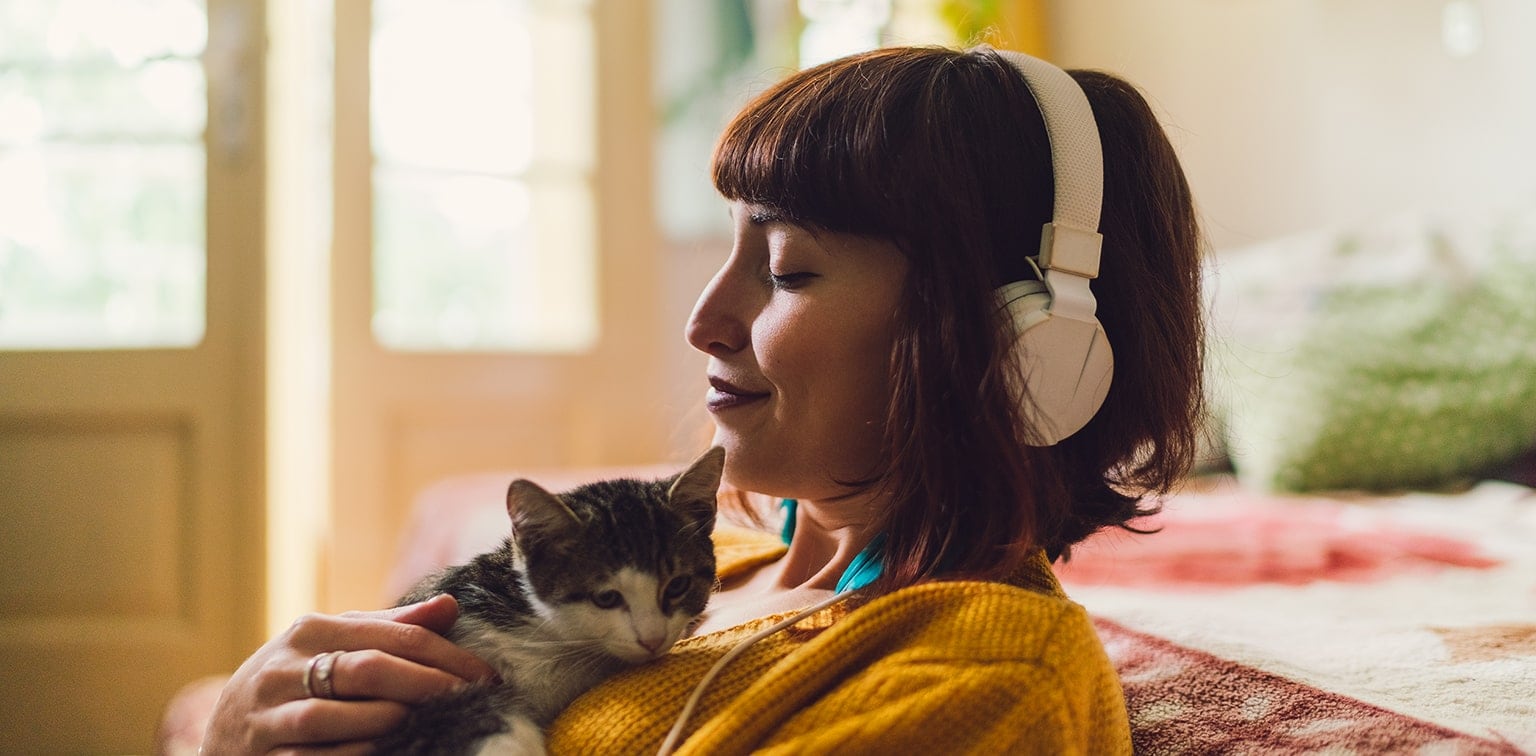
{"x":607,"y":599}
{"x":678,"y":586}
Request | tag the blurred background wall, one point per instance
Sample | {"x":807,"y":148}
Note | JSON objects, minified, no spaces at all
{"x":1295,"y":115}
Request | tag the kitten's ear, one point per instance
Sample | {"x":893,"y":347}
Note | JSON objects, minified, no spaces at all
{"x":535,"y":510}
{"x":693,"y":491}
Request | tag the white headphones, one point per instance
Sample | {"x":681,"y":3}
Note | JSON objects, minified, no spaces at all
{"x":1063,"y":353}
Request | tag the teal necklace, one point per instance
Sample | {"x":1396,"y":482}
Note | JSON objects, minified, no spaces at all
{"x":865,"y":566}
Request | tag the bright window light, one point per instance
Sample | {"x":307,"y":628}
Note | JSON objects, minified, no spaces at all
{"x":483,"y":143}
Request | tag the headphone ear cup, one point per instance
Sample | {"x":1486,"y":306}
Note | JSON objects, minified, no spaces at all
{"x":1025,"y":303}
{"x":1066,"y":364}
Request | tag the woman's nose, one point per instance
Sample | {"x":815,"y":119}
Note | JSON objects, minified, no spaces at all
{"x":716,"y":326}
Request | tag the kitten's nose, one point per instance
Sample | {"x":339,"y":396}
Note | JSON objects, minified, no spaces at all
{"x":651,"y":644}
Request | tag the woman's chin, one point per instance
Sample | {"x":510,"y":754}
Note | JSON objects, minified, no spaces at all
{"x":739,"y":470}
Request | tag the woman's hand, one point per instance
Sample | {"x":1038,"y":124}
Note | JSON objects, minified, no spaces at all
{"x":392,"y":658}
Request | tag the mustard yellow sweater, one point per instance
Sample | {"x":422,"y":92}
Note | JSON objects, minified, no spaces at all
{"x":947,"y":667}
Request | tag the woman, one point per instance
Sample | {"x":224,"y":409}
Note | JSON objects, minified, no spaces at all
{"x":861,"y":368}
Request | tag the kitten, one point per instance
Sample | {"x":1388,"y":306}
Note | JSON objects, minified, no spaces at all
{"x":607,"y":575}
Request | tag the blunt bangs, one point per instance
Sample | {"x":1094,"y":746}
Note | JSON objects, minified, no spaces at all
{"x":817,"y":147}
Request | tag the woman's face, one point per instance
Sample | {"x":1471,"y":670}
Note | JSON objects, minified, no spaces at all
{"x":799,"y":326}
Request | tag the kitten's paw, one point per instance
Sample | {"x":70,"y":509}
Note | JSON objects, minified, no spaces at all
{"x":523,"y":738}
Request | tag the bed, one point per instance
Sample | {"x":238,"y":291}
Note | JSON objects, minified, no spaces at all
{"x":1262,"y":623}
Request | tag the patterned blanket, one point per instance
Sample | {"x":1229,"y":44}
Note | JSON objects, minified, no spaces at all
{"x":1343,"y":624}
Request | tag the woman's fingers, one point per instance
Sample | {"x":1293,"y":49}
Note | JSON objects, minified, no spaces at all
{"x":436,"y":614}
{"x":383,"y":631}
{"x":388,"y":659}
{"x":370,"y":674}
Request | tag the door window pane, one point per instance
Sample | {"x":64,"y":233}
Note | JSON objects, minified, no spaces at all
{"x":483,"y":145}
{"x":834,"y":28}
{"x":102,"y":173}
{"x":737,"y":48}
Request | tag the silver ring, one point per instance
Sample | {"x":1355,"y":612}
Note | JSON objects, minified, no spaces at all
{"x":319,"y":675}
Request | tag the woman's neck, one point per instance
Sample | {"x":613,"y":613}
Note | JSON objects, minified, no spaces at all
{"x":826,"y":539}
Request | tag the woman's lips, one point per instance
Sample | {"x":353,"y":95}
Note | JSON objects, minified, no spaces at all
{"x":724,"y":395}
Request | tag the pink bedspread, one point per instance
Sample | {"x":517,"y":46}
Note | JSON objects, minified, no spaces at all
{"x":1351,"y":624}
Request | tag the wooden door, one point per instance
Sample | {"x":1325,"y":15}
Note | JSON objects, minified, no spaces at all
{"x":131,"y":530}
{"x":405,"y":417}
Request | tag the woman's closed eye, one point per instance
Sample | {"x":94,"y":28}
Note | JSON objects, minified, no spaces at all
{"x":787,"y":281}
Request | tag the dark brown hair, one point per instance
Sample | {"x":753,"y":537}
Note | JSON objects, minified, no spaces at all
{"x":944,"y":153}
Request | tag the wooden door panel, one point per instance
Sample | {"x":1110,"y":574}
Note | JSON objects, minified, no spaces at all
{"x":132,"y":481}
{"x":125,"y":554}
{"x":103,"y":511}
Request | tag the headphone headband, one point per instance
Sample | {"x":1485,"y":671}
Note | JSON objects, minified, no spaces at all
{"x":1064,"y":355}
{"x":1074,"y":138}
